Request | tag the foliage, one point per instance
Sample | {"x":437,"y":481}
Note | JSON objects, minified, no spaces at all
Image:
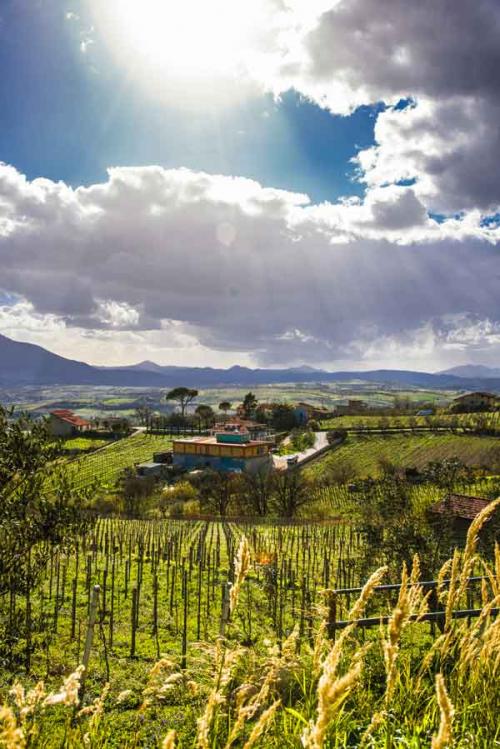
{"x":283,"y":417}
{"x":249,"y":404}
{"x":184,"y":396}
{"x":134,"y":492}
{"x":394,"y":527}
{"x":205,"y":414}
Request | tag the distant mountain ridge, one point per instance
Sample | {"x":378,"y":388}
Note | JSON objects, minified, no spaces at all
{"x":473,"y":370}
{"x":28,"y":364}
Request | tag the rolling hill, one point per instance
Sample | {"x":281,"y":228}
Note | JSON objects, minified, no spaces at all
{"x":28,"y":364}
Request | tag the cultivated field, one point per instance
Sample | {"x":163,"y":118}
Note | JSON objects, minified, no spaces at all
{"x":254,"y":664}
{"x":105,"y":466}
{"x":364,"y":453}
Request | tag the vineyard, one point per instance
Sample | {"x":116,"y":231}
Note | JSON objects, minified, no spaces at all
{"x":364,"y":452}
{"x":223,"y":635}
{"x":466,"y":422}
{"x":104,"y":466}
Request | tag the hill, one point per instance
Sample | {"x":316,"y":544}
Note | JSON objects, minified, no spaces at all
{"x":363,"y":453}
{"x":28,"y":364}
{"x":473,"y":370}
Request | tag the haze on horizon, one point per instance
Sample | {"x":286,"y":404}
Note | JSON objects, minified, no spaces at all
{"x":266,"y":184}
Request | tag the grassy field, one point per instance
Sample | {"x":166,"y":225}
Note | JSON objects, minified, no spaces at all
{"x":106,"y":465}
{"x":274,"y":680}
{"x":363,"y":453}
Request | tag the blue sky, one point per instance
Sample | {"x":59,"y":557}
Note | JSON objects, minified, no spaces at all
{"x":72,"y":121}
{"x":154,"y":162}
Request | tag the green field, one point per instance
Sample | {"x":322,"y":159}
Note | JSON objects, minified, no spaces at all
{"x":363,"y":453}
{"x":106,"y":465}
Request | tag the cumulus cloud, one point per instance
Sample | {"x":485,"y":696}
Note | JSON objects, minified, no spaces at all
{"x":223,"y":264}
{"x":442,"y":55}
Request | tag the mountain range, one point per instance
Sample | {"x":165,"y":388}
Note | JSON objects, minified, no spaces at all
{"x":27,"y":364}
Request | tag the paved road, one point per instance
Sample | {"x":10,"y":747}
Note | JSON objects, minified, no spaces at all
{"x":280,"y":461}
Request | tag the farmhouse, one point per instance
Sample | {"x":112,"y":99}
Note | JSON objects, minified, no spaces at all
{"x":64,"y":423}
{"x":474,"y":402}
{"x":223,"y":451}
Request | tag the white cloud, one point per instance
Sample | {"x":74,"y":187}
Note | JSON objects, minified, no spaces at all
{"x":175,"y":258}
{"x":445,"y":56}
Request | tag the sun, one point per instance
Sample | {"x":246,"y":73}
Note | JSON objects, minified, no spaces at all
{"x":188,"y":39}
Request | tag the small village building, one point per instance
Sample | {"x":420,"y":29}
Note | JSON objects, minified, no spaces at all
{"x":223,"y":451}
{"x":478,"y":401}
{"x":354,"y":406}
{"x":304,"y":412}
{"x":64,"y":423}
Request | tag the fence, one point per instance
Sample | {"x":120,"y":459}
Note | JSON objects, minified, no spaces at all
{"x":373,"y":621}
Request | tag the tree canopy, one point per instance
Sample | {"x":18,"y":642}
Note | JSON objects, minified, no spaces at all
{"x":184,"y":396}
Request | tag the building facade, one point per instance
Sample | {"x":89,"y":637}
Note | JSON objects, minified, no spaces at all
{"x":224,"y":451}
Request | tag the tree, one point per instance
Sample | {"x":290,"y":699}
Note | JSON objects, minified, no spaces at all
{"x":218,"y":490}
{"x":41,"y":508}
{"x":291,"y":491}
{"x":143,"y":413}
{"x":184,"y":396}
{"x":256,"y":492}
{"x":205,"y":414}
{"x":224,"y":406}
{"x":135,"y":492}
{"x":283,"y":417}
{"x":449,"y":473}
{"x":249,"y":404}
{"x":394,"y":529}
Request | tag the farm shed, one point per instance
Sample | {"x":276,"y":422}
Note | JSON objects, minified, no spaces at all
{"x":459,"y":510}
{"x":150,"y":469}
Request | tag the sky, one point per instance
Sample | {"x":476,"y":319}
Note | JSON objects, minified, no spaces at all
{"x":268,"y":184}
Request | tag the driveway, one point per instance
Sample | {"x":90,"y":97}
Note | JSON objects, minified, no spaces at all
{"x":320,"y":442}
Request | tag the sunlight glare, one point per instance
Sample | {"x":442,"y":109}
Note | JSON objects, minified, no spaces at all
{"x":187,"y":38}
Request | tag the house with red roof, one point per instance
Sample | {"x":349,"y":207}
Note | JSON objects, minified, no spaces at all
{"x":64,"y":423}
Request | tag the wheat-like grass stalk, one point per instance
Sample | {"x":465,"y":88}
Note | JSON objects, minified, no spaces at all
{"x":169,"y":740}
{"x":331,"y":694}
{"x":444,"y":735}
{"x":261,"y":724}
{"x":373,"y":581}
{"x":68,"y":695}
{"x":241,"y":567}
{"x":11,"y":735}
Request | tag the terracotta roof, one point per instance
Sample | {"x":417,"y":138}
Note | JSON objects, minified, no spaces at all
{"x":461,"y":506}
{"x":64,"y":414}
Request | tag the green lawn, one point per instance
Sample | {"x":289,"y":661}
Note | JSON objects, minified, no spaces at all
{"x":365,"y":452}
